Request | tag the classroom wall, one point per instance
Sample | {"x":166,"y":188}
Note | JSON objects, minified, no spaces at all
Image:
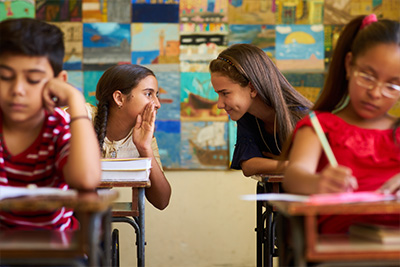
{"x":206,"y":223}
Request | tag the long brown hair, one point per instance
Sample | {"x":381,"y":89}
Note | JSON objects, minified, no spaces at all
{"x":124,"y":78}
{"x":250,"y":64}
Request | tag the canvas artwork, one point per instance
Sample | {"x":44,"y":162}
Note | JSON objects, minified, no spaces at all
{"x":73,"y":44}
{"x":262,"y":36}
{"x":299,"y":12}
{"x":75,"y":78}
{"x":200,"y":43}
{"x":331,"y":34}
{"x":94,"y":11}
{"x":119,"y":11}
{"x":204,"y":145}
{"x":168,"y":135}
{"x":169,"y":95}
{"x":300,"y":47}
{"x":62,"y":10}
{"x":160,"y":11}
{"x":200,"y":11}
{"x":90,"y":80}
{"x":105,"y":44}
{"x":17,"y":9}
{"x":232,"y":135}
{"x":198,"y":98}
{"x":155,"y":43}
{"x":307,"y":84}
{"x":251,"y":11}
{"x":395,"y":110}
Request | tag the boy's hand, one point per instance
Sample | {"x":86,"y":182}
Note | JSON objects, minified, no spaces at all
{"x":336,"y":179}
{"x":144,"y":130}
{"x":57,"y":93}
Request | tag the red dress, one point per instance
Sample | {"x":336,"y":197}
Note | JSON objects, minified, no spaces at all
{"x":373,"y":156}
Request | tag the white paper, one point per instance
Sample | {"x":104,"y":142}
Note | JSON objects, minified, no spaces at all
{"x":13,"y":191}
{"x":274,"y":196}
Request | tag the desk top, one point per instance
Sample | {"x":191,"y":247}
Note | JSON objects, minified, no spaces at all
{"x":83,"y":201}
{"x":268,"y":178}
{"x":125,"y":184}
{"x":301,"y":208}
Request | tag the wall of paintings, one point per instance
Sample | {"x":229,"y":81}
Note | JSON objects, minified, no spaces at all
{"x":178,"y":38}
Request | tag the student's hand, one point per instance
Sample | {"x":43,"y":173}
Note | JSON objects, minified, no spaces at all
{"x":57,"y":93}
{"x":336,"y":179}
{"x":144,"y":130}
{"x":391,"y":186}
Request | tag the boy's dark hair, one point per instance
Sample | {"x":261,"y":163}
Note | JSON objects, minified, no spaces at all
{"x":124,"y":78}
{"x":31,"y":37}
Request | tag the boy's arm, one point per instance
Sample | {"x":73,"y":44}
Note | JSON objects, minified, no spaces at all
{"x":82,"y":170}
{"x":258,"y":165}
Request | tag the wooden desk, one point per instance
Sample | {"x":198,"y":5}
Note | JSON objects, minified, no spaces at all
{"x":132,"y":213}
{"x":265,"y":223}
{"x":48,"y":246}
{"x":309,"y":246}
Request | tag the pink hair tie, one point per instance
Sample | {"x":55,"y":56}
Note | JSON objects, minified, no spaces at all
{"x":371,"y":18}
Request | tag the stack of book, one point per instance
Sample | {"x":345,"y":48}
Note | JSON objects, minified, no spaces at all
{"x":375,"y":232}
{"x":126,"y":169}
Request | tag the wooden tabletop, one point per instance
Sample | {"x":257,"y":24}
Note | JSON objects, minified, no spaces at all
{"x":83,"y":201}
{"x":268,"y":178}
{"x":301,"y":208}
{"x":125,"y":184}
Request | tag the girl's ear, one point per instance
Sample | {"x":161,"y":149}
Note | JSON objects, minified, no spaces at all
{"x":348,"y":64}
{"x":253,"y":91}
{"x":118,"y":98}
{"x":63,"y":75}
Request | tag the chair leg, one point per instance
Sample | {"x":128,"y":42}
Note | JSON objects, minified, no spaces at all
{"x":115,"y":248}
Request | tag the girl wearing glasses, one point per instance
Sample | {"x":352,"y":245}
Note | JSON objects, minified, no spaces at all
{"x":362,"y":85}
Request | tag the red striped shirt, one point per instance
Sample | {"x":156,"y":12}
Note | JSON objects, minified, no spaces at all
{"x":40,"y":164}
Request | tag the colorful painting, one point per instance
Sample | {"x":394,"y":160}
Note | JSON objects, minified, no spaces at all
{"x":90,"y":80}
{"x":160,"y":11}
{"x":201,"y":43}
{"x":17,"y":9}
{"x":62,"y":10}
{"x":73,"y":44}
{"x":395,"y":110}
{"x":168,"y":135}
{"x":198,"y":98}
{"x":105,"y":44}
{"x":332,"y":33}
{"x":94,"y":11}
{"x":232,"y":128}
{"x":299,"y":12}
{"x":300,"y":47}
{"x":204,"y":145}
{"x":251,"y":11}
{"x":262,"y":36}
{"x":76,"y":79}
{"x":308,"y":84}
{"x":155,"y":43}
{"x":200,"y":11}
{"x":119,"y":11}
{"x":169,"y":95}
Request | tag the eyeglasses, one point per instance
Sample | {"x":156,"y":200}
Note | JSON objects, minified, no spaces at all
{"x":370,"y":82}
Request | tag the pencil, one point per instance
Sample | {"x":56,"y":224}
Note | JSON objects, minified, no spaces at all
{"x":322,"y":138}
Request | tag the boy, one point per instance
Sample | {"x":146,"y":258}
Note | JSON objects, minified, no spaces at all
{"x":39,"y":143}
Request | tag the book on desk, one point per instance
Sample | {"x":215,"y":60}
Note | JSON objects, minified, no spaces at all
{"x":126,"y":169}
{"x":381,"y":233}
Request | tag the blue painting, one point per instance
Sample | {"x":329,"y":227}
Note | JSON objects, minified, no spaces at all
{"x":204,"y":145}
{"x":300,"y":47}
{"x":262,"y":36}
{"x":198,"y":98}
{"x":155,"y":43}
{"x":232,"y":127}
{"x":105,"y":44}
{"x":147,"y":11}
{"x":76,"y":79}
{"x":90,"y":80}
{"x":169,"y":95}
{"x":168,"y":135}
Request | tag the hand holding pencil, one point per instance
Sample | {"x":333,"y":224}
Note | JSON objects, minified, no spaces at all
{"x":334,"y":178}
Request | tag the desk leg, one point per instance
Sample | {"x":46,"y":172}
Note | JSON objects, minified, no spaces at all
{"x":298,"y":240}
{"x":141,"y":236}
{"x":259,"y":226}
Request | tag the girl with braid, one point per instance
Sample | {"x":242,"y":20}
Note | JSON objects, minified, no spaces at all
{"x":124,"y":121}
